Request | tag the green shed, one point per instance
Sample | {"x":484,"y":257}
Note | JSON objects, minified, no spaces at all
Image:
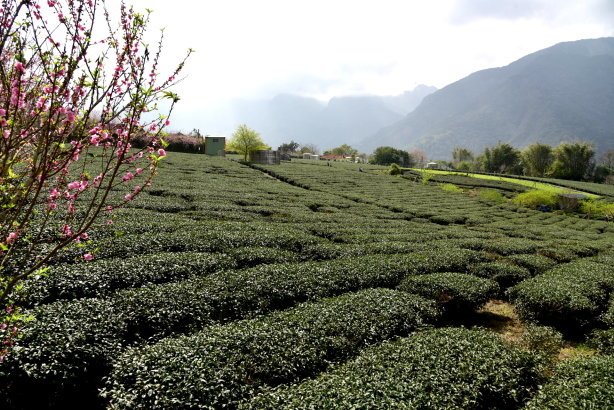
{"x":215,"y":146}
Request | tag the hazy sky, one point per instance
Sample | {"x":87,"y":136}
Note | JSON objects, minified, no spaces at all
{"x":259,"y":48}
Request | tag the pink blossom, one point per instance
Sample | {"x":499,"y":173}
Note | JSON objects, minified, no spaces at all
{"x":138,"y":171}
{"x":88,"y":257}
{"x":74,"y":185}
{"x":129,"y":197}
{"x":167,"y":123}
{"x":2,"y":112}
{"x":128,"y":176}
{"x":7,"y":134}
{"x":84,"y":236}
{"x":54,"y":194}
{"x":67,"y":230}
{"x":20,"y":67}
{"x":12,"y":237}
{"x":161,"y":152}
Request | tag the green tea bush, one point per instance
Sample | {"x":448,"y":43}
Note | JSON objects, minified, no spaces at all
{"x":457,"y":293}
{"x":504,"y":274}
{"x":105,"y":276}
{"x":536,"y":264}
{"x":597,"y":209}
{"x":542,"y":339}
{"x":447,"y":187}
{"x":156,"y":311}
{"x":225,"y":364}
{"x":535,"y":198}
{"x":443,"y":368}
{"x":250,"y":256}
{"x":582,"y":383}
{"x":491,"y":195}
{"x":502,"y":246}
{"x":570,"y":297}
{"x":602,"y":340}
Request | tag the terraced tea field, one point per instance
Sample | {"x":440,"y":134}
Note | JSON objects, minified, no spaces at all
{"x":307,"y":286}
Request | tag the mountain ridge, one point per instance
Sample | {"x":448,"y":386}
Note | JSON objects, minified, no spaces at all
{"x":564,"y":92}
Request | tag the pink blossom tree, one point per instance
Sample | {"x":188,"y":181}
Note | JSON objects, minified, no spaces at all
{"x":75,"y":87}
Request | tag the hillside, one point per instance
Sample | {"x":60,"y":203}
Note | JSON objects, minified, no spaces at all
{"x":565,"y":92}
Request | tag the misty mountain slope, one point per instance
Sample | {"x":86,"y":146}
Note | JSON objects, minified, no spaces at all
{"x":565,"y":92}
{"x":344,"y":120}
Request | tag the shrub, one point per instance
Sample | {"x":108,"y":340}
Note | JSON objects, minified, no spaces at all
{"x":504,"y":274}
{"x":153,"y":312}
{"x":491,"y":195}
{"x":443,"y":368}
{"x":394,"y":169}
{"x":583,"y":383}
{"x":534,"y":263}
{"x":597,"y":209}
{"x":106,"y":276}
{"x":535,"y":198}
{"x":543,"y":339}
{"x":570,"y":297}
{"x":602,"y":340}
{"x":225,"y":364}
{"x":450,"y":187}
{"x":457,"y":293}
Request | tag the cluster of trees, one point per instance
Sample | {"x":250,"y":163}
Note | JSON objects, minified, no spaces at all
{"x":575,"y":161}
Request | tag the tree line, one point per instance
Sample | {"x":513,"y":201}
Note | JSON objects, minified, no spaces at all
{"x":568,"y":160}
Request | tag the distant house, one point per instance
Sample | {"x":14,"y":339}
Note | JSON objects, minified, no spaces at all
{"x":215,"y":145}
{"x":308,"y":155}
{"x":432,"y":165}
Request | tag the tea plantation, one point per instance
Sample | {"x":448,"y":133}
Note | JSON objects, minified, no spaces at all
{"x":307,"y":286}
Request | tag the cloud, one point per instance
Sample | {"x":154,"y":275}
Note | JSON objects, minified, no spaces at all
{"x":465,"y":11}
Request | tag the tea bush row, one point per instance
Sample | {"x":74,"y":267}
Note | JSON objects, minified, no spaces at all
{"x":582,"y":383}
{"x":70,"y":340}
{"x":570,"y":297}
{"x":106,"y":276}
{"x":456,"y":293}
{"x":222,"y":365}
{"x":443,"y":368}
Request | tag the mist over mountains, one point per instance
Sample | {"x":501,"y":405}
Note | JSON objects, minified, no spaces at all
{"x":561,"y":93}
{"x":347,"y":120}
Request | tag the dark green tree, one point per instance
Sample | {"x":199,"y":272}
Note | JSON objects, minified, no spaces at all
{"x":390,"y":155}
{"x":461,"y":154}
{"x":291,"y":146}
{"x":573,"y":160}
{"x":537,"y":159}
{"x":502,"y":158}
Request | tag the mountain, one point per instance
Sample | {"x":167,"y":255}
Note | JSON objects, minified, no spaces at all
{"x":343,"y":120}
{"x":562,"y":93}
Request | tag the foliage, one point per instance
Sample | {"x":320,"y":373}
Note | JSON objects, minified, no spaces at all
{"x":457,"y":293}
{"x":603,"y":340}
{"x":174,"y":142}
{"x":344,"y":150}
{"x":450,"y":187}
{"x":537,"y":159}
{"x":73,"y":92}
{"x":227,"y":364}
{"x":443,"y":368}
{"x":491,"y":195}
{"x":535,"y":198}
{"x":245,"y":140}
{"x":582,"y":383}
{"x":462,"y":154}
{"x":504,"y":274}
{"x":599,"y":209}
{"x":289,"y":147}
{"x":390,"y":155}
{"x":569,"y":297}
{"x":503,"y":158}
{"x":572,"y":160}
{"x":394,"y":169}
